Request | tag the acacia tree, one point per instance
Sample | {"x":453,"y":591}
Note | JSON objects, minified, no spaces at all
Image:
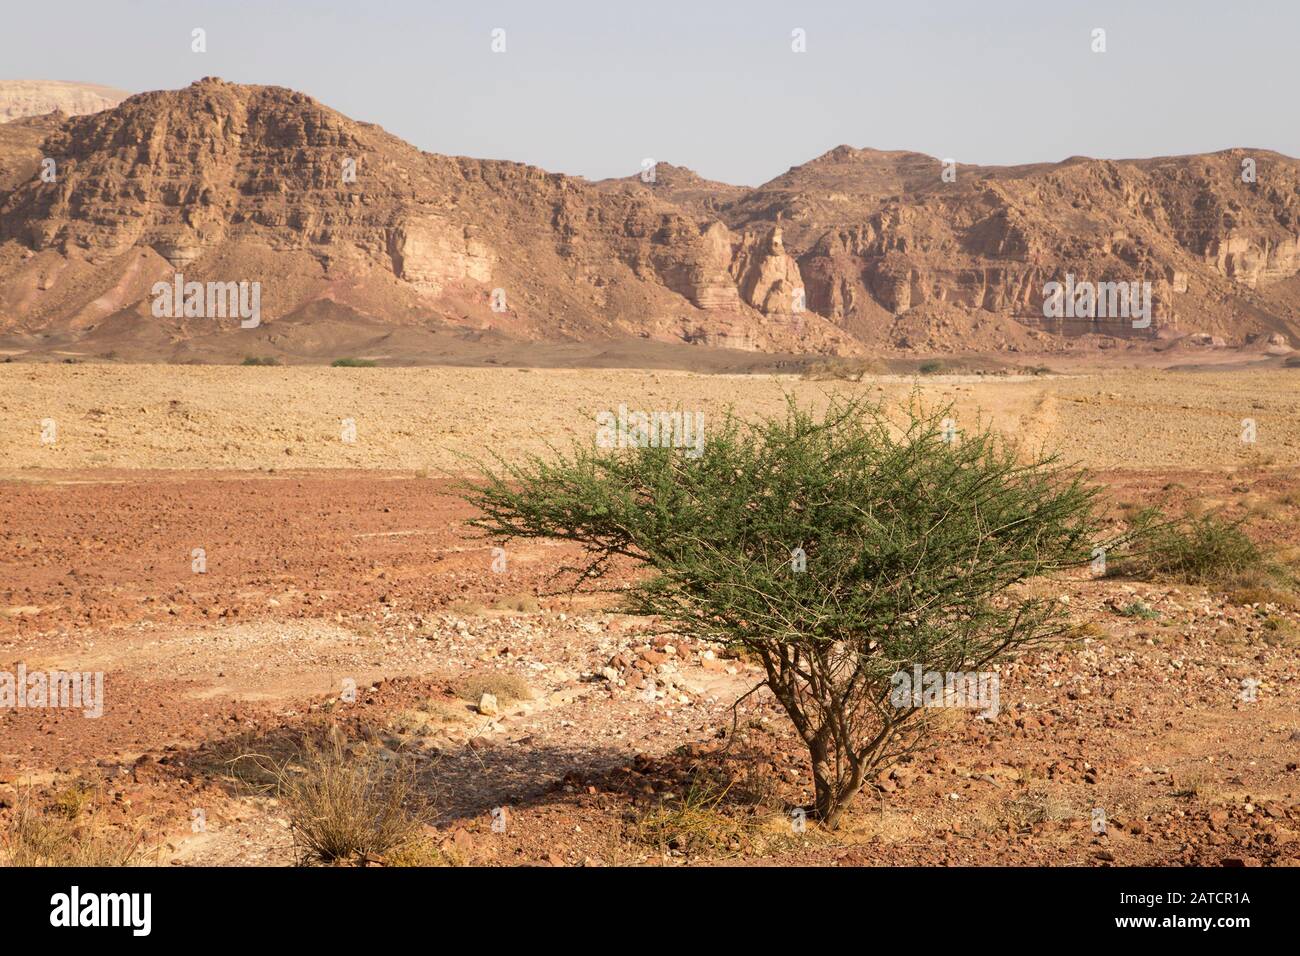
{"x":837,"y":548}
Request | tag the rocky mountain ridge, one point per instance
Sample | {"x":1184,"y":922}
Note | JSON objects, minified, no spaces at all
{"x":361,"y":242}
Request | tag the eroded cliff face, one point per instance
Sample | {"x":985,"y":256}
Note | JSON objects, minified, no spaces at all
{"x":1253,"y":261}
{"x":768,"y":278}
{"x":857,"y":250}
{"x":185,"y":172}
{"x":430,"y":253}
{"x":226,"y":182}
{"x":886,"y":232}
{"x":688,"y":260}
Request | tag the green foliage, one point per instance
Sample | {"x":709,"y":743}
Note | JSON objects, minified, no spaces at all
{"x":913,"y":549}
{"x":1206,"y":549}
{"x":1140,"y":609}
{"x":252,"y":360}
{"x":352,"y":363}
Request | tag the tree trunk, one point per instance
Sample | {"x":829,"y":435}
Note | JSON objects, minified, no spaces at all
{"x":825,"y":787}
{"x":832,"y":796}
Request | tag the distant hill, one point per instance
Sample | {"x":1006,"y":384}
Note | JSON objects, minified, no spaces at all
{"x":19,"y":98}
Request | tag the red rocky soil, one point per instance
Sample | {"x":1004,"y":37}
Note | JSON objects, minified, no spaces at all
{"x":315,"y":578}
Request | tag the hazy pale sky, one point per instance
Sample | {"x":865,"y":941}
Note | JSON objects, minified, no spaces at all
{"x":592,"y":88}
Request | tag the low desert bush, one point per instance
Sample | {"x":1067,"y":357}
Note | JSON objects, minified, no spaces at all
{"x":353,"y":363}
{"x":430,"y":717}
{"x":693,"y":822}
{"x":1195,"y":549}
{"x":521,"y":603}
{"x":1280,"y":632}
{"x":1140,"y":609}
{"x":1034,"y":806}
{"x":1264,"y":594}
{"x":252,"y":360}
{"x":422,"y":851}
{"x":1193,"y":782}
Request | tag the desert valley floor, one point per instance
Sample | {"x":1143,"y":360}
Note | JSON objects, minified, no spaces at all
{"x":330,"y":561}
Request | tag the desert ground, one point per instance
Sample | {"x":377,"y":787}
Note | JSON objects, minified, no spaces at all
{"x":330,"y":563}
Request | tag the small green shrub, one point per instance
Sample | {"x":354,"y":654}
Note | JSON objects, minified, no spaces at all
{"x":838,"y":549}
{"x":1140,"y":609}
{"x":1196,"y":549}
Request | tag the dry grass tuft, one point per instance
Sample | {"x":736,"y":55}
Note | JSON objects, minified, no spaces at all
{"x":1036,"y":805}
{"x":693,"y":822}
{"x":66,"y":833}
{"x":1264,"y":594}
{"x":1194,"y":783}
{"x":1279,"y":631}
{"x":348,"y":803}
{"x":422,"y":851}
{"x":506,"y":686}
{"x":724,"y":814}
{"x":430,"y":716}
{"x":520,"y":603}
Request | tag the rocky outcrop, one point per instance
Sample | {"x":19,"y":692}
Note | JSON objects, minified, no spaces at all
{"x":768,"y":278}
{"x":248,"y":183}
{"x":1253,"y":261}
{"x":693,"y":263}
{"x":429,"y":253}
